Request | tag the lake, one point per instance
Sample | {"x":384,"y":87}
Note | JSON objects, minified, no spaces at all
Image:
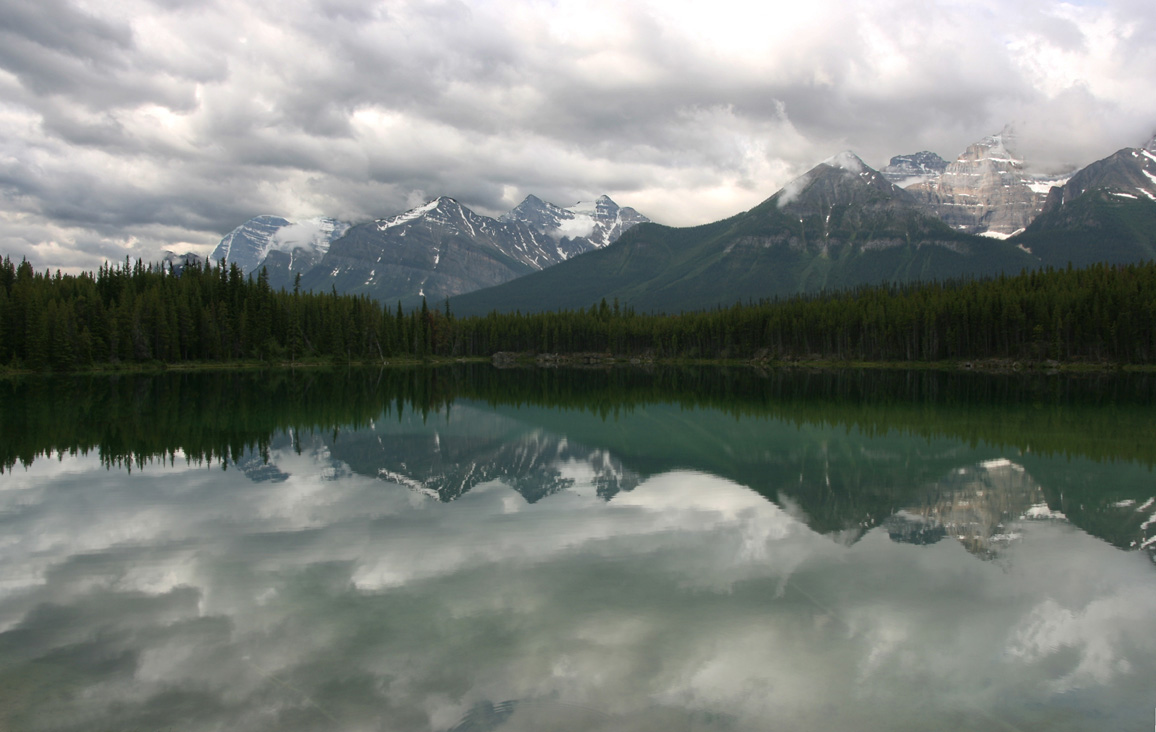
{"x":468,"y":548}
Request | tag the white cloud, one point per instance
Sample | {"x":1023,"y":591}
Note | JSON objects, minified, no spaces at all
{"x":128,"y":122}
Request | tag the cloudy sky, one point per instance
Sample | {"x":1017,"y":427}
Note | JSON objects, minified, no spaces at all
{"x":134,"y":126}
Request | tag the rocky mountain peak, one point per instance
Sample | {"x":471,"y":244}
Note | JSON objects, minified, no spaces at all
{"x":996,"y":148}
{"x":444,"y":204}
{"x":1126,"y":174}
{"x":986,"y":190}
{"x":1151,"y":146}
{"x":908,"y":170}
{"x":536,"y":213}
{"x":843,"y":179}
{"x":585,"y":225}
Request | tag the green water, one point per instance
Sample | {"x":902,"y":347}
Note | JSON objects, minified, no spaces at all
{"x":479,"y":549}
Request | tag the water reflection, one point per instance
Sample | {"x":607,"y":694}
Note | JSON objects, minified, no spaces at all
{"x":502,"y":567}
{"x":976,"y":505}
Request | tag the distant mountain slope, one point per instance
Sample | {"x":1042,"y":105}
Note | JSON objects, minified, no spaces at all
{"x":578,"y":228}
{"x":295,"y":245}
{"x":1104,"y":213}
{"x":436,"y":250}
{"x":840,"y":225}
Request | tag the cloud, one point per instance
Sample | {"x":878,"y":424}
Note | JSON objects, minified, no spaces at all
{"x":122,"y":120}
{"x":187,"y":594}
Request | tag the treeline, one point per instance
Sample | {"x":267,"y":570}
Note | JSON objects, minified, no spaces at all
{"x":1102,"y":313}
{"x":136,"y":313}
{"x":214,"y":313}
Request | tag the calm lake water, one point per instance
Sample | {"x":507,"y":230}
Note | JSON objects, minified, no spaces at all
{"x":474,"y":549}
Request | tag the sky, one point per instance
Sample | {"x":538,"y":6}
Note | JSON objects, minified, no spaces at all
{"x":130,"y":127}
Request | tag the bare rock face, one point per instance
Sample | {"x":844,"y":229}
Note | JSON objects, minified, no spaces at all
{"x":987,"y":190}
{"x":909,"y":170}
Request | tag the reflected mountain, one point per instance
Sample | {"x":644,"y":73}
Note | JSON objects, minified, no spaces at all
{"x":839,"y":481}
{"x":403,"y":550}
{"x":844,"y":451}
{"x":446,"y":454}
{"x":975,"y":505}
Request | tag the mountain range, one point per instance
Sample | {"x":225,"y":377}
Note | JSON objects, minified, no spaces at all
{"x":842,"y":224}
{"x":434,"y":251}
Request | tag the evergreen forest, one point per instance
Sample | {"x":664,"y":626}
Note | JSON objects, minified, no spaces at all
{"x":211,"y":313}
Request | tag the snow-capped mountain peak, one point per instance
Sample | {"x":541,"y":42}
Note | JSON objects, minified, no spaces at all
{"x":250,"y":243}
{"x":585,"y":225}
{"x":846,"y":160}
{"x":410,"y":215}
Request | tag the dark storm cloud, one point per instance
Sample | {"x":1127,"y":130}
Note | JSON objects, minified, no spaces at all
{"x":58,"y":30}
{"x":150,"y":125}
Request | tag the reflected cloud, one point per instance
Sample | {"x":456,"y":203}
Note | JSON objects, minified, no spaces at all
{"x":315,"y":591}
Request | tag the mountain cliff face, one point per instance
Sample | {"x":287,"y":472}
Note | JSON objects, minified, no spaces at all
{"x":987,"y":190}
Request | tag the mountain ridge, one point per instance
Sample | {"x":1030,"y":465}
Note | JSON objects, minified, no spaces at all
{"x":436,"y":250}
{"x":841,"y":224}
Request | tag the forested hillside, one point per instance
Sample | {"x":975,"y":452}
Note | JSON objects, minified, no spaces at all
{"x":135,"y":313}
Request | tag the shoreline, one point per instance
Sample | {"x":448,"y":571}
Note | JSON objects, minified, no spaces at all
{"x":606,"y":360}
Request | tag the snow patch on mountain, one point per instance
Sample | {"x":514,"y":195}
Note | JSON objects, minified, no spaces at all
{"x":1043,"y":183}
{"x":407,"y":216}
